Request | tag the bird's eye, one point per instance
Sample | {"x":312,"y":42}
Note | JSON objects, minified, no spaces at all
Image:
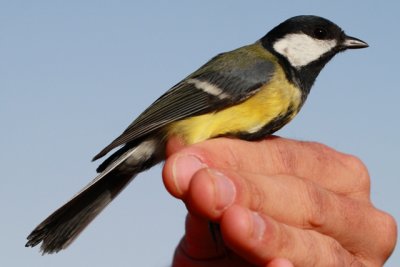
{"x":320,"y":33}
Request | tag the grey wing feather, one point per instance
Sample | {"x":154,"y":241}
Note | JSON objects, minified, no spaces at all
{"x":180,"y":102}
{"x":185,"y":99}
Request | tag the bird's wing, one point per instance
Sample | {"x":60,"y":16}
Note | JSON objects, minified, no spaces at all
{"x":224,"y":81}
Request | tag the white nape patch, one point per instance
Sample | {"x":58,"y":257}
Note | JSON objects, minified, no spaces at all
{"x":301,"y":49}
{"x":208,"y":88}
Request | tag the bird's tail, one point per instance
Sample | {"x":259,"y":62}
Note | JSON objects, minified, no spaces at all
{"x":58,"y":230}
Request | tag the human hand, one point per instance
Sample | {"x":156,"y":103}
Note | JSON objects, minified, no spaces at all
{"x":276,"y":199}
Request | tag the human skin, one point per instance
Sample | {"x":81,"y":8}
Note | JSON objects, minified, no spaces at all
{"x":279,"y":202}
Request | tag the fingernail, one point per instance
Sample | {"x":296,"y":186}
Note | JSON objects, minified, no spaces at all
{"x":183,"y":169}
{"x":258,"y":226}
{"x":225,"y":190}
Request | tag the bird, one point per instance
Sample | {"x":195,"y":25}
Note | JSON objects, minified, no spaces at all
{"x":247,"y":93}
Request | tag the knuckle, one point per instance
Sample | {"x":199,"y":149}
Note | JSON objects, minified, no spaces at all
{"x":360,"y":171}
{"x":388,"y":228}
{"x":389,"y":223}
{"x":282,"y":239}
{"x":357,"y":165}
{"x":336,"y":254}
{"x":231,"y":155}
{"x":250,"y":194}
{"x":321,"y":153}
{"x":317,"y":205}
{"x":283,"y":157}
{"x":319,"y":146}
{"x":383,"y":232}
{"x":257,"y":198}
{"x":341,"y":257}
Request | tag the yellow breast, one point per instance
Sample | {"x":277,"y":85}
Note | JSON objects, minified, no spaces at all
{"x":273,"y":100}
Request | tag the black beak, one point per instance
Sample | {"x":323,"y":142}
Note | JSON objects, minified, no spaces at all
{"x":353,"y":43}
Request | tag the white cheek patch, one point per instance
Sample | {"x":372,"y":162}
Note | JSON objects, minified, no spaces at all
{"x":301,"y":49}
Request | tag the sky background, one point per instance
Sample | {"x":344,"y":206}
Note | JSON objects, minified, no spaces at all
{"x":74,"y":74}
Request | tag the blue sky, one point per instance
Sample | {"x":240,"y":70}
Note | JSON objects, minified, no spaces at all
{"x":74,"y":74}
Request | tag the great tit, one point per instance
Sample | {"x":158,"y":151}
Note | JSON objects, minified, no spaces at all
{"x":248,"y":93}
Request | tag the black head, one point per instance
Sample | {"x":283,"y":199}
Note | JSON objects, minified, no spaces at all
{"x":307,"y":43}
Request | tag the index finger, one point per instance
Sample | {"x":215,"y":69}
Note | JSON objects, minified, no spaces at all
{"x":327,"y":167}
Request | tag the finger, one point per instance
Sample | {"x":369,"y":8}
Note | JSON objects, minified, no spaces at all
{"x":334,"y":170}
{"x":198,"y":242}
{"x":174,"y":144}
{"x":280,"y":263}
{"x":260,"y":239}
{"x":178,"y":172}
{"x":198,"y":249}
{"x":289,"y":200}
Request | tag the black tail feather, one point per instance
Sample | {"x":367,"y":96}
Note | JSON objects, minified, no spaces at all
{"x":66,"y":223}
